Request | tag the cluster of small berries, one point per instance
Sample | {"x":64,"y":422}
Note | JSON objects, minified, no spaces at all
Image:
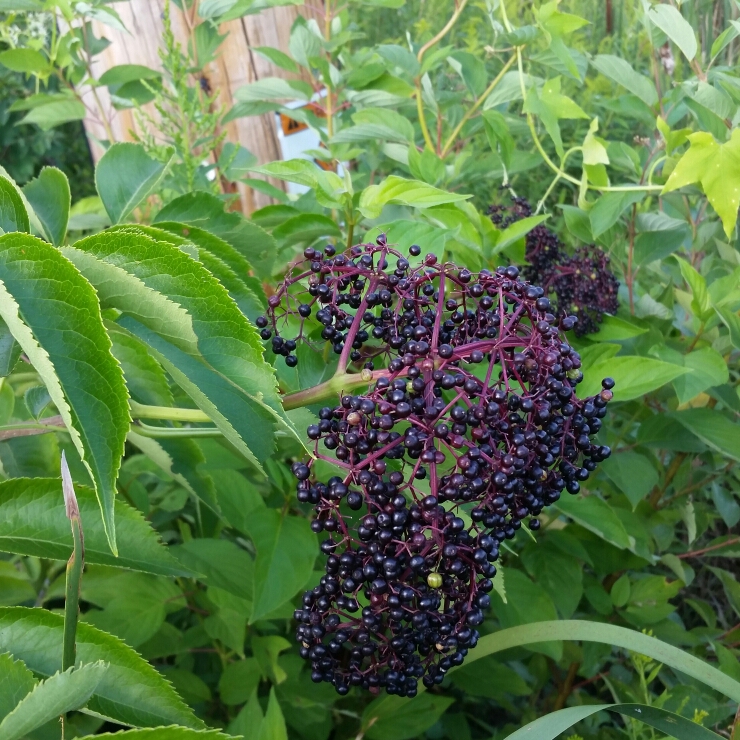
{"x":582,"y":283}
{"x":471,"y":428}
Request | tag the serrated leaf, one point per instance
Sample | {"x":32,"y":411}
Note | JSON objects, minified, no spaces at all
{"x":130,"y":692}
{"x":61,"y":693}
{"x":145,"y":379}
{"x":15,"y":682}
{"x":51,"y":200}
{"x":154,"y":282}
{"x":54,"y":315}
{"x":286,"y":550}
{"x":165,"y":733}
{"x":13,"y":214}
{"x":33,"y":522}
{"x":206,"y":211}
{"x":124,"y":176}
{"x":717,"y":168}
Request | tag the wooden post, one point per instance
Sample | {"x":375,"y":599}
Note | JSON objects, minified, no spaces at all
{"x":236,"y":65}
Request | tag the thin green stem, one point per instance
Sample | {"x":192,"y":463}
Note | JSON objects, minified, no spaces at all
{"x":422,"y":120}
{"x":451,"y":140}
{"x":146,"y":430}
{"x":166,"y":413}
{"x":330,"y":389}
{"x":558,"y":170}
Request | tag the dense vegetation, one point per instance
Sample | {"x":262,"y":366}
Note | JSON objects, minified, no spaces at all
{"x":442,"y":444}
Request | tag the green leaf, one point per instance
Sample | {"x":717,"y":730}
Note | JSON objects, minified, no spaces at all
{"x":165,"y":733}
{"x":669,"y":20}
{"x":498,"y":135}
{"x":717,"y":167}
{"x":186,"y":316}
{"x":607,"y":634}
{"x":621,"y":71}
{"x":238,"y":681}
{"x":205,"y":211}
{"x":550,"y":105}
{"x":709,"y":369}
{"x":714,"y":429}
{"x":221,"y":563}
{"x":247,"y":424}
{"x":517,"y":230}
{"x":551,"y":725}
{"x":125,"y":175}
{"x":25,"y":60}
{"x":271,"y":88}
{"x":732,"y":322}
{"x":598,"y":517}
{"x":730,"y":585}
{"x":33,"y":522}
{"x":608,"y":208}
{"x":305,"y":229}
{"x":123,"y":73}
{"x":412,"y":193}
{"x":15,"y":682}
{"x":616,"y":329}
{"x":632,"y":473}
{"x":50,"y":198}
{"x":130,"y":692}
{"x":13,"y":214}
{"x":699,"y":295}
{"x":397,"y":718}
{"x":55,"y":112}
{"x":273,"y":725}
{"x":277,"y":57}
{"x":559,"y":574}
{"x":63,"y":692}
{"x":328,"y":186}
{"x":145,"y":379}
{"x":634,"y":376}
{"x":286,"y":551}
{"x":54,"y":315}
{"x":491,"y":679}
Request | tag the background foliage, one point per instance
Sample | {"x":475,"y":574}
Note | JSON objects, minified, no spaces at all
{"x":612,"y":120}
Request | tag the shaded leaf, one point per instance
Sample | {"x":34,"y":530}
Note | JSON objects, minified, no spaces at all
{"x":54,"y":315}
{"x":51,"y":200}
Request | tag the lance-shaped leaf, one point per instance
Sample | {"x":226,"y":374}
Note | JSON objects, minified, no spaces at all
{"x":186,"y":312}
{"x":53,"y":313}
{"x":63,"y":692}
{"x":165,"y":733}
{"x":131,"y":692}
{"x":32,"y":522}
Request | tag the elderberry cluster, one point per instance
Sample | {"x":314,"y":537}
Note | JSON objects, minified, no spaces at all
{"x":472,"y":427}
{"x":582,"y":283}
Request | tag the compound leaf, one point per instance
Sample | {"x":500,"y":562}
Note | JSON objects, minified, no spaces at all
{"x":131,"y":692}
{"x":53,"y":313}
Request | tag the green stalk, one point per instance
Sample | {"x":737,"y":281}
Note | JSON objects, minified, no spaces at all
{"x":141,"y":411}
{"x":74,"y":569}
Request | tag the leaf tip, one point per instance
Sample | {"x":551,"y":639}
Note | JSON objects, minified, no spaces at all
{"x":70,"y":500}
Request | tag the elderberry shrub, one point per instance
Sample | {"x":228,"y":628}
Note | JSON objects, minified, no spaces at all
{"x":473,"y":428}
{"x":582,"y":283}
